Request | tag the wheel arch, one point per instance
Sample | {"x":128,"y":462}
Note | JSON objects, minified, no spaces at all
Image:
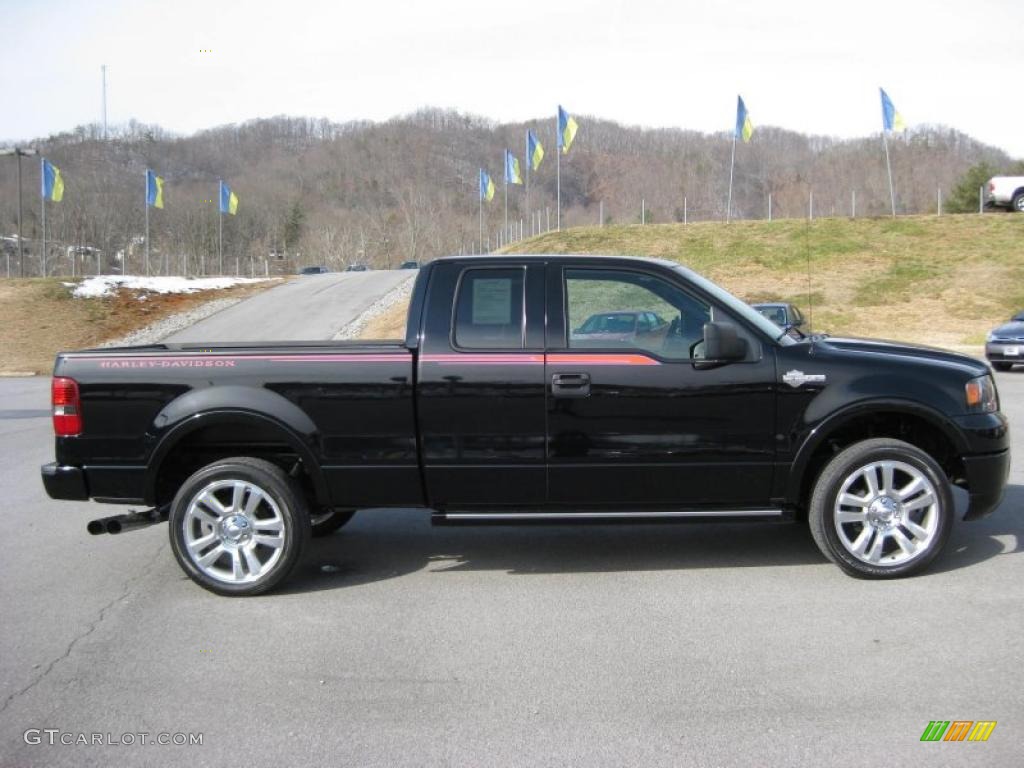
{"x":911,"y":422}
{"x":267,"y":416}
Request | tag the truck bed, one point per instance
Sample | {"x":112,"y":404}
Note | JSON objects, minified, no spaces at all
{"x":345,"y":407}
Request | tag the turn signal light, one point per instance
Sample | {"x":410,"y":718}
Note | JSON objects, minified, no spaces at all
{"x":67,"y":407}
{"x":980,"y":394}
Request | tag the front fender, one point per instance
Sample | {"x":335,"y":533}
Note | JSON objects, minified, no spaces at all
{"x":838,"y":419}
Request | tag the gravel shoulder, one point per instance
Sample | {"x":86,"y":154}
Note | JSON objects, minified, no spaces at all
{"x":375,"y":322}
{"x":161,"y":329}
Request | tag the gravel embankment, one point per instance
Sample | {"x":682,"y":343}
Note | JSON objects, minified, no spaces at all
{"x":388,"y":300}
{"x":161,"y":329}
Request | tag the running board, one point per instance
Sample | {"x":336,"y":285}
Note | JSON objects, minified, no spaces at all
{"x":694,"y":515}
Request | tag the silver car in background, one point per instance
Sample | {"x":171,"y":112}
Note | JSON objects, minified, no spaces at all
{"x":1004,"y":346}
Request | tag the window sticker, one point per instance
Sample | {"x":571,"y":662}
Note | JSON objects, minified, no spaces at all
{"x":492,"y":301}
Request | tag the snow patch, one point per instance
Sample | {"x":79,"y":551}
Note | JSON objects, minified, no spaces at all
{"x":106,"y":285}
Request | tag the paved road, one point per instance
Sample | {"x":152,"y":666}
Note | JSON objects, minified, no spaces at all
{"x":319,"y":305}
{"x":401,"y":645}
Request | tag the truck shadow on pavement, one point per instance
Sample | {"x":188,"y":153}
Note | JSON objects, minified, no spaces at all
{"x":384,"y":544}
{"x":974,"y":542}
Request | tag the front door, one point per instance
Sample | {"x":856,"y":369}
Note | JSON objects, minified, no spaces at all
{"x":631,"y":421}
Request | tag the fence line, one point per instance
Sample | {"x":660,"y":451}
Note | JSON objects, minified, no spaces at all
{"x":71,"y":260}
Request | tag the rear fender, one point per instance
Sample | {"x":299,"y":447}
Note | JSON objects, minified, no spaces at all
{"x":201,"y":408}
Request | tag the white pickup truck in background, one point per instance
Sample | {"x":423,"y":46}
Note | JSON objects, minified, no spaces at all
{"x":1006,"y":192}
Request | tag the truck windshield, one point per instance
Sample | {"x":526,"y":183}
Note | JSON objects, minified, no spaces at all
{"x":737,"y":307}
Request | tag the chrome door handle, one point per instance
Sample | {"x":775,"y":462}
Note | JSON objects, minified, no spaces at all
{"x":570,"y":385}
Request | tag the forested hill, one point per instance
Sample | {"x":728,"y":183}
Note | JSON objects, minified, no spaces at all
{"x":407,"y":188}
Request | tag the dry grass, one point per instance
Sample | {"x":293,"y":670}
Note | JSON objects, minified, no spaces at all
{"x":945,"y":281}
{"x":390,"y":324}
{"x":38,"y":318}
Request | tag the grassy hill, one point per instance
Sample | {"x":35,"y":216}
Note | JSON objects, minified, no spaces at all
{"x":944,"y":280}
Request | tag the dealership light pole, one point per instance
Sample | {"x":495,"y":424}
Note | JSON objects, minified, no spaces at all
{"x":19,"y":152}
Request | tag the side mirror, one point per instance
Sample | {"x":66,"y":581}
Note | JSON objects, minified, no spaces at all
{"x":722,"y":344}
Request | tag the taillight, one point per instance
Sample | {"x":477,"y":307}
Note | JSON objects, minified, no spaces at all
{"x":67,"y":407}
{"x":991,"y":187}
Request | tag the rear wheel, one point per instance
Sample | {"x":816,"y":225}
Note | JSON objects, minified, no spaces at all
{"x":238,"y":526}
{"x":881,"y":509}
{"x":1002,"y":366}
{"x":1018,"y":202}
{"x":326,"y":521}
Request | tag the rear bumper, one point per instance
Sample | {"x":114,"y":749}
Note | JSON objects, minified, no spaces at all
{"x":67,"y":483}
{"x":986,"y":481}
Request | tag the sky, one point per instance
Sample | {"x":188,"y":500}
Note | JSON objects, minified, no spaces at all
{"x":813,"y":67}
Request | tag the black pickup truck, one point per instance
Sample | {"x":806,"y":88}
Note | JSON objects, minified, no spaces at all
{"x":499,"y":408}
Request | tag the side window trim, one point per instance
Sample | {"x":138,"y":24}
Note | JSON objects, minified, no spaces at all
{"x":452,"y":335}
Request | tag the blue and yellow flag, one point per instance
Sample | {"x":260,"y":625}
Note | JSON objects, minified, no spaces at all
{"x":154,"y":190}
{"x":512,"y":175}
{"x":53,"y":182}
{"x":566,"y":130}
{"x":486,"y":186}
{"x":228,"y":200}
{"x":891,"y":119}
{"x":744,"y":128}
{"x":534,"y":150}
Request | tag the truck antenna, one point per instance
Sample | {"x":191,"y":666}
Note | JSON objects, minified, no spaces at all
{"x":807,"y":251}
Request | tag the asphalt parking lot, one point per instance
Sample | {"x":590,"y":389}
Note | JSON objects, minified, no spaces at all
{"x":396,"y":644}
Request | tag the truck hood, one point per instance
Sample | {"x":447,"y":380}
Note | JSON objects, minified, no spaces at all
{"x":933,"y":355}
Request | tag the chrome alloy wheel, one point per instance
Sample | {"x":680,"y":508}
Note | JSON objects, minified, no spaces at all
{"x":233,"y":531}
{"x":886,"y":513}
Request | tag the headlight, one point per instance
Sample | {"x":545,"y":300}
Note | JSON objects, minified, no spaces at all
{"x":980,"y":394}
{"x":993,"y":337}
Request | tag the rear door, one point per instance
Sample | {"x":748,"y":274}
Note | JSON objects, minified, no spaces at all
{"x":481,"y":389}
{"x":632,"y":422}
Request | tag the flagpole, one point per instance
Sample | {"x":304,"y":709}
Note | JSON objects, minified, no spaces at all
{"x":529,"y":162}
{"x":145,"y":201}
{"x":888,"y":168}
{"x":220,"y":237}
{"x":558,"y":177}
{"x":480,"y":201}
{"x":732,"y":166}
{"x":506,"y":193}
{"x":42,"y":171}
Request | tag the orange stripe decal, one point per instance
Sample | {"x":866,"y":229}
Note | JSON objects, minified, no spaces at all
{"x":607,"y":359}
{"x":503,"y":358}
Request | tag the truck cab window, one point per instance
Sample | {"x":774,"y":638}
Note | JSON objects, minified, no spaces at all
{"x":489,"y":309}
{"x":610,"y":309}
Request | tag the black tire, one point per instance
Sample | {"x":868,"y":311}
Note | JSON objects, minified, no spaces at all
{"x":849,"y":467}
{"x":1018,"y":203}
{"x":1002,"y":366}
{"x":281,"y":504}
{"x":324,"y":522}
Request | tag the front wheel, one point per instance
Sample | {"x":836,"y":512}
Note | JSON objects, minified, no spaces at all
{"x":881,"y":509}
{"x":238,"y":526}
